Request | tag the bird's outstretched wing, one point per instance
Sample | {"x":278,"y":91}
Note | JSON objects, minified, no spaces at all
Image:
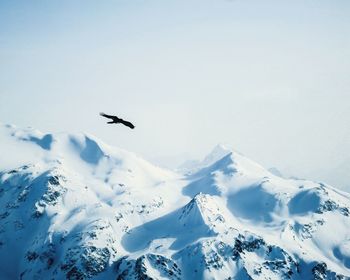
{"x":115,"y":119}
{"x":107,"y":116}
{"x":128,"y":124}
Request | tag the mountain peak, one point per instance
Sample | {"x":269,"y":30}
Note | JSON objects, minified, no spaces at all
{"x":218,"y":152}
{"x":202,"y":209}
{"x":73,"y":207}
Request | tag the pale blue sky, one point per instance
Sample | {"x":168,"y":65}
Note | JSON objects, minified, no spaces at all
{"x":270,"y":78}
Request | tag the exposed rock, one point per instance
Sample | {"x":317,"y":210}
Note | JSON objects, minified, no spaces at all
{"x":142,"y":267}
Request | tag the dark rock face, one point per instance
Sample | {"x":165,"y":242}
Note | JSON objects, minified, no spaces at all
{"x":138,"y":269}
{"x":54,"y":191}
{"x":42,"y":259}
{"x":78,"y":262}
{"x":211,"y":256}
{"x":321,"y":272}
{"x":250,"y":244}
{"x":330,"y":205}
{"x":85,"y":262}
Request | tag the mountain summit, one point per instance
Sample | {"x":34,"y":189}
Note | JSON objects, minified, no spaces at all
{"x":216,"y":154}
{"x":73,"y":207}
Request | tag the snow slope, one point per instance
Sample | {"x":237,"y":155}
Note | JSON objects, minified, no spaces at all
{"x":72,"y":207}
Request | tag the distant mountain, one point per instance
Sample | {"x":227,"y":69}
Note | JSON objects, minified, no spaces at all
{"x":72,"y":207}
{"x":217,"y":153}
{"x":275,"y":171}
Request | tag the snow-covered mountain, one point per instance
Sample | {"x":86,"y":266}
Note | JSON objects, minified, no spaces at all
{"x":73,"y":207}
{"x":191,"y":166}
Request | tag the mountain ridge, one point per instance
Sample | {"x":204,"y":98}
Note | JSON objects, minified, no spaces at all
{"x":76,"y":208}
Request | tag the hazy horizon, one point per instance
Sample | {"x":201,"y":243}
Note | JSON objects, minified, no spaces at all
{"x":269,"y":78}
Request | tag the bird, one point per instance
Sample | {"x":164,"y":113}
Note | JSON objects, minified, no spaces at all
{"x":115,"y":119}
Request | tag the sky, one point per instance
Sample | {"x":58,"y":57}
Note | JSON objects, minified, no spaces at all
{"x":269,"y":78}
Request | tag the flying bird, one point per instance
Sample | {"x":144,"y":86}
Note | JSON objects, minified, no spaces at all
{"x":115,"y":119}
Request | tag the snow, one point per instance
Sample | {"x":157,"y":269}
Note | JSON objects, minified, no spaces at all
{"x":218,"y":152}
{"x":73,"y":207}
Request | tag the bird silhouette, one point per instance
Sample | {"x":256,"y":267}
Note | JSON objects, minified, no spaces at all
{"x":115,"y":119}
